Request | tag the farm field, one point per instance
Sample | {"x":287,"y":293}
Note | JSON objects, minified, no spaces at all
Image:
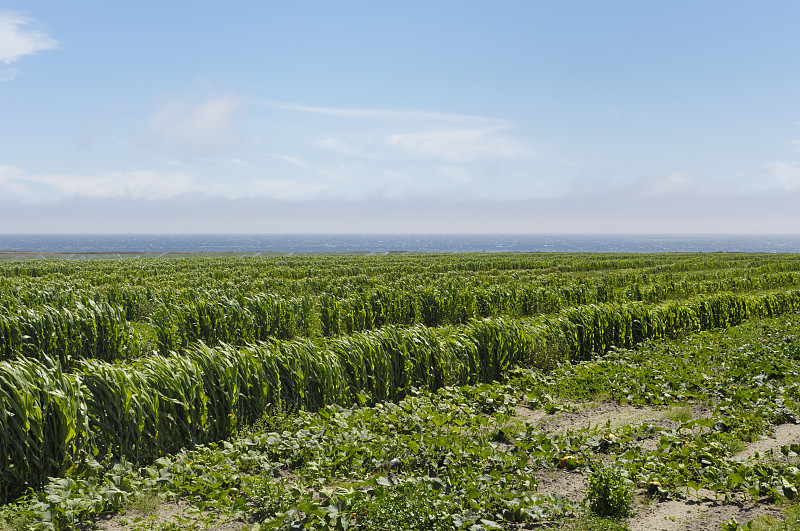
{"x":505,"y":391}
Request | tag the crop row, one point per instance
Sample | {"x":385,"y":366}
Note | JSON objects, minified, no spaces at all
{"x":178,"y":319}
{"x":94,"y":330}
{"x":57,"y":282}
{"x":52,"y":422}
{"x":447,"y":470}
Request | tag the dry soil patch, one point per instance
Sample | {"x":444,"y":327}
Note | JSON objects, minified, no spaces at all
{"x":571,"y":485}
{"x":784,"y":435}
{"x":602,"y":414}
{"x":705,"y":513}
{"x":165,"y":513}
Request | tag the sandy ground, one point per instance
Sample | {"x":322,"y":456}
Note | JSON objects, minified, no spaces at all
{"x":165,"y":513}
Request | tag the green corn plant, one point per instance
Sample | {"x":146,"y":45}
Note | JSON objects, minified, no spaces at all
{"x":43,"y":424}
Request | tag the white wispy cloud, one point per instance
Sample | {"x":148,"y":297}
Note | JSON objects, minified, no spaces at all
{"x":786,"y":174}
{"x":389,"y":132}
{"x":345,"y":148}
{"x":117,"y":184}
{"x":286,"y":189}
{"x":456,"y":173}
{"x":291,"y":160}
{"x":18,"y":185}
{"x":670,"y":184}
{"x":11,"y":180}
{"x":459,"y":145}
{"x":18,"y":39}
{"x":396,"y":176}
{"x":379,"y":114}
{"x":227,"y":162}
{"x":146,"y":153}
{"x":208,"y":126}
{"x":8,"y":74}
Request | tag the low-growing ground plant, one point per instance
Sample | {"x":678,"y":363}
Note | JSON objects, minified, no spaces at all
{"x":610,"y":492}
{"x":269,"y":497}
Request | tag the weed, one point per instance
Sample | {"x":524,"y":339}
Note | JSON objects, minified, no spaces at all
{"x":610,"y":492}
{"x":269,"y":497}
{"x":144,"y":502}
{"x":680,"y":414}
{"x":413,"y":506}
{"x":591,"y":522}
{"x":789,"y":521}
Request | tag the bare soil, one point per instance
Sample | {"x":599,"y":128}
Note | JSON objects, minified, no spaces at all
{"x":165,"y":513}
{"x":696,"y":514}
{"x":783,"y":435}
{"x":707,"y":513}
{"x":604,"y":414}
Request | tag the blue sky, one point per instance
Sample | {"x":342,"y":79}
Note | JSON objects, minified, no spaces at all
{"x":400,"y":117}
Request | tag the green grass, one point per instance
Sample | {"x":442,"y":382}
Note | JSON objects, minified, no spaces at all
{"x":680,"y":414}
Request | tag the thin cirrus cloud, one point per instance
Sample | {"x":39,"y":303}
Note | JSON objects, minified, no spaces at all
{"x":116,"y":184}
{"x":205,"y":127}
{"x":347,"y":148}
{"x":459,"y":145}
{"x":18,"y":39}
{"x":16,"y":184}
{"x":785,"y":174}
{"x":284,"y":189}
{"x":674,"y":183}
{"x":448,"y":137}
{"x":456,"y":173}
{"x":8,"y":74}
{"x":378,"y":114}
{"x":291,"y":160}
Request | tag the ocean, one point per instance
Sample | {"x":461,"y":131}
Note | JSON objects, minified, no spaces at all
{"x":391,"y":243}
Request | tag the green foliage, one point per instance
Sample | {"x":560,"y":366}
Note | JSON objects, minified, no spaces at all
{"x":62,"y":308}
{"x":788,"y":521}
{"x":241,"y":337}
{"x":610,"y":492}
{"x":163,"y":403}
{"x":269,"y":497}
{"x":415,"y":505}
{"x":438,"y":457}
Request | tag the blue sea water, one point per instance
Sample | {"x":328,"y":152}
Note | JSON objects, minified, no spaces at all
{"x":349,"y":243}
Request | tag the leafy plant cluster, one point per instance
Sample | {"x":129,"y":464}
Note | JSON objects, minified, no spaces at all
{"x":139,"y":306}
{"x":160,"y":404}
{"x":458,"y":459}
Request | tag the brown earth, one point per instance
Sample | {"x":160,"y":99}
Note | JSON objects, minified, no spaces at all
{"x":165,"y":513}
